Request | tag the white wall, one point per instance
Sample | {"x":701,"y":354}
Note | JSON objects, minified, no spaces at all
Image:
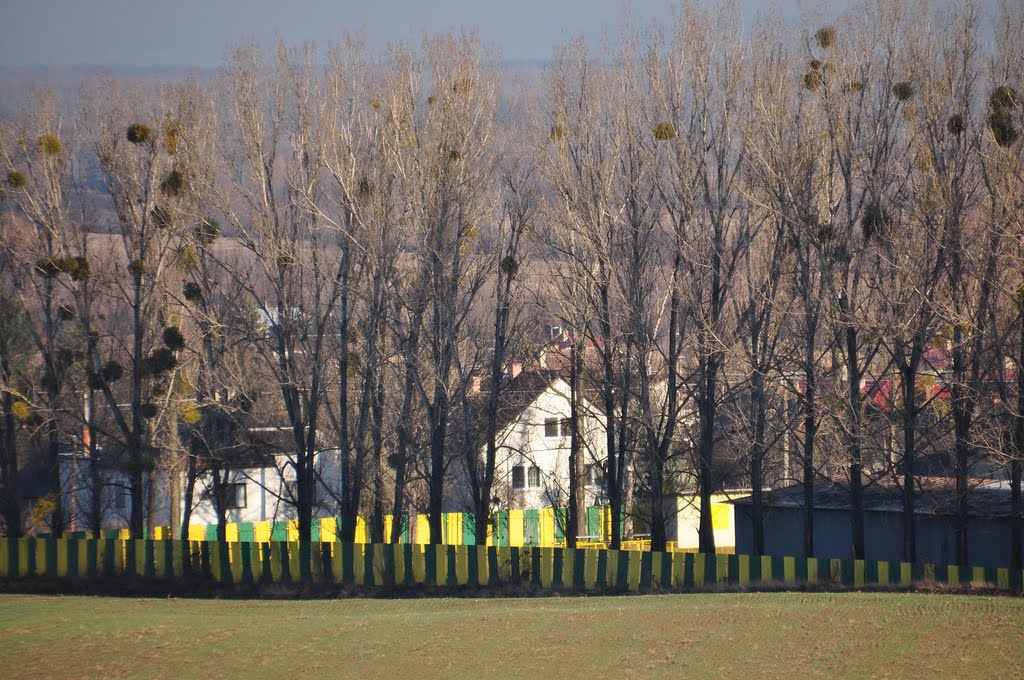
{"x":77,"y":487}
{"x":266,"y":495}
{"x":523,"y":442}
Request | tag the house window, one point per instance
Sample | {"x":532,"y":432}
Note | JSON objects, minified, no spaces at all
{"x":235,"y":496}
{"x":593,"y":475}
{"x":534,"y":479}
{"x":525,"y":478}
{"x":119,"y":503}
{"x":518,"y":477}
{"x":556,"y":427}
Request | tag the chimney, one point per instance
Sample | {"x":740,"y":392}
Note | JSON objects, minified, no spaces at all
{"x":517,"y":368}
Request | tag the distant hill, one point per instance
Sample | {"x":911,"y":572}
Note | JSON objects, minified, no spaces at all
{"x":18,"y":82}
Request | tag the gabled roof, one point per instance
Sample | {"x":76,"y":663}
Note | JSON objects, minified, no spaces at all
{"x":517,"y":395}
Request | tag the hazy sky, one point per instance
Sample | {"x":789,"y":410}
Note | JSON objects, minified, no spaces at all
{"x":195,"y":32}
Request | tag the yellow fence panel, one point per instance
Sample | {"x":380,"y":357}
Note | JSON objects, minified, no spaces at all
{"x":422,"y":525}
{"x":547,"y":527}
{"x":516,"y":525}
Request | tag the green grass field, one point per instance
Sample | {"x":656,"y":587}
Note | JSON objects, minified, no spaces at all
{"x":743,"y":635}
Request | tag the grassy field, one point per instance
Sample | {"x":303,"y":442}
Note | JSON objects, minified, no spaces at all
{"x":752,"y":635}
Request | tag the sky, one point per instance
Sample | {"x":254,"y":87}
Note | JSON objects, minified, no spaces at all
{"x":195,"y":32}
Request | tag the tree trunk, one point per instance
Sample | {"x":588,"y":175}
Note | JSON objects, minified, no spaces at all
{"x":405,"y":442}
{"x":438,"y":434}
{"x":853,"y":441}
{"x":909,"y":375}
{"x":1016,"y":469}
{"x":53,"y":464}
{"x":188,"y":496}
{"x":1017,"y":464}
{"x":377,"y":434}
{"x":706,"y":394}
{"x":577,"y":503}
{"x":757,"y":455}
{"x":9,"y":453}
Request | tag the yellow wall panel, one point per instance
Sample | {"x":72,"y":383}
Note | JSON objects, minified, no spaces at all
{"x":453,"y":528}
{"x":62,"y":557}
{"x":515,"y":528}
{"x":328,"y":530}
{"x":422,"y":529}
{"x":462,"y":565}
{"x":547,"y":527}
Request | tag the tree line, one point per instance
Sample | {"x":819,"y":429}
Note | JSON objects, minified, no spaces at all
{"x":779,"y":252}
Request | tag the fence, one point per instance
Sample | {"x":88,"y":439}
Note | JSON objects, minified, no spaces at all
{"x":451,"y":565}
{"x":512,"y":528}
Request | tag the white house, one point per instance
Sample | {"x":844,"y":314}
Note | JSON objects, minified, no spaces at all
{"x":80,"y":475}
{"x":532,"y":466}
{"x":262,"y":488}
{"x":260,"y":484}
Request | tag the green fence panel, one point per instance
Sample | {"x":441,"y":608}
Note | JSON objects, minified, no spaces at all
{"x":279,"y":532}
{"x":558,"y":563}
{"x":67,"y":557}
{"x":430,"y":564}
{"x":148,"y":559}
{"x":646,"y":567}
{"x":623,"y":580}
{"x":500,"y":531}
{"x":493,"y":566}
{"x":348,"y":573}
{"x":733,"y":565}
{"x":246,"y":532}
{"x":601,"y":579}
{"x":579,"y":568}
{"x":245,"y":553}
{"x":594,"y":528}
{"x":405,"y":527}
{"x":667,"y":577}
{"x":50,"y":556}
{"x":531,"y":527}
{"x":561,"y":522}
{"x":468,"y":528}
{"x":450,"y":570}
{"x":473,"y":566}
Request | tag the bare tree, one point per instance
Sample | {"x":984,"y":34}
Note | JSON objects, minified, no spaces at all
{"x":704,"y":102}
{"x":274,"y":167}
{"x":519,"y":188}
